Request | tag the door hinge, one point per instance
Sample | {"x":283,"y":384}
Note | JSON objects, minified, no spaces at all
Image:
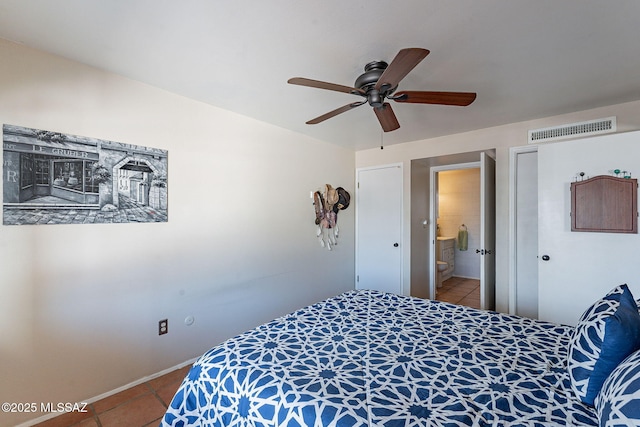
{"x":358,"y":278}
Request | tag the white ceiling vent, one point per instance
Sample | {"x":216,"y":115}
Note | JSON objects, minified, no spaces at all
{"x":573,"y":130}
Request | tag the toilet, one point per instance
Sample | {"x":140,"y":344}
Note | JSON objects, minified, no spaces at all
{"x":442,"y":266}
{"x":445,"y":251}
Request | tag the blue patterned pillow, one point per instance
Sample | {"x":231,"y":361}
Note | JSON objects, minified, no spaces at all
{"x":606,"y":334}
{"x":618,"y":403}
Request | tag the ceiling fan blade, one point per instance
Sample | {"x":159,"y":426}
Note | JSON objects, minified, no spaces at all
{"x":386,"y":117}
{"x":402,"y":64}
{"x":324,"y":85}
{"x":335,"y":112}
{"x":444,"y":98}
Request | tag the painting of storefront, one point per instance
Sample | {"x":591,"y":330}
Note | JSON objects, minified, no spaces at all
{"x":55,"y":178}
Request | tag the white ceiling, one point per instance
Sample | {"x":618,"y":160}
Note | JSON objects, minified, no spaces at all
{"x":526,"y":59}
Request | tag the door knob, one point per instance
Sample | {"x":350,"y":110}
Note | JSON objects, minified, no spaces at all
{"x":546,"y":257}
{"x":395,"y":245}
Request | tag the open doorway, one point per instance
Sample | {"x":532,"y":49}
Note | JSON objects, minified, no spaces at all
{"x":424,"y":225}
{"x":457,"y":266}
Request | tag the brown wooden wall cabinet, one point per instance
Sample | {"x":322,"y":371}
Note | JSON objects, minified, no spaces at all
{"x":605,"y":204}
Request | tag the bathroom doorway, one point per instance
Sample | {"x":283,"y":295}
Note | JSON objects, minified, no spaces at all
{"x":463,"y":225}
{"x":458,"y":234}
{"x":423,"y":221}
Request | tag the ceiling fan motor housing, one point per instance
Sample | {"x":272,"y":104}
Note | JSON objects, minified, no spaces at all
{"x":367,"y":81}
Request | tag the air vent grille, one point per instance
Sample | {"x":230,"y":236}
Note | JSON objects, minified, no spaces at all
{"x":573,"y":130}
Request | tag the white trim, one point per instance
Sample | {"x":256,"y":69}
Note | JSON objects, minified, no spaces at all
{"x":513,"y":169}
{"x":467,"y":277}
{"x":112,"y":392}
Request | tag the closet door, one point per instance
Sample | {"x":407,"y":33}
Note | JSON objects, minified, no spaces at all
{"x":526,"y":234}
{"x":577,"y":268}
{"x":379,"y":229}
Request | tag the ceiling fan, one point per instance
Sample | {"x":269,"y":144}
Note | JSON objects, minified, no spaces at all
{"x":379,"y":82}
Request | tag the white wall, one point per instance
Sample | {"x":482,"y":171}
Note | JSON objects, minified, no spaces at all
{"x":459,"y":203}
{"x":501,"y":138}
{"x":420,"y":237}
{"x":80,"y":304}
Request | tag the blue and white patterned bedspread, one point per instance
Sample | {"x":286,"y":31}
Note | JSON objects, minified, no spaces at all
{"x":366,"y":358}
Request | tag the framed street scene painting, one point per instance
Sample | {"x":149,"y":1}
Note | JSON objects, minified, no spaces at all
{"x":55,"y":178}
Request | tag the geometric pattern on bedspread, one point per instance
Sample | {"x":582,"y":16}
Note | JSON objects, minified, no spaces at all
{"x":366,"y":358}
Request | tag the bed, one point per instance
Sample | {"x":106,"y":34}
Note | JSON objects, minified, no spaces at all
{"x":366,"y":358}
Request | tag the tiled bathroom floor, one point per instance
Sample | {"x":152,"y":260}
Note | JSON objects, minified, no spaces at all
{"x":458,"y":290}
{"x":140,"y":406}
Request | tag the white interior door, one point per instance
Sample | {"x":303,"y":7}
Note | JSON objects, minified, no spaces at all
{"x":523,"y":288}
{"x":379,"y":229}
{"x":581,"y":266}
{"x":487,"y":226}
{"x":487,"y":232}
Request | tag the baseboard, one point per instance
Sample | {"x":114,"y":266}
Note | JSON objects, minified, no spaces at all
{"x":466,"y":277}
{"x":112,"y":392}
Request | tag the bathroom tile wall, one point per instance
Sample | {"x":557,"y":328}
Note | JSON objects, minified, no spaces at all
{"x":459,"y":203}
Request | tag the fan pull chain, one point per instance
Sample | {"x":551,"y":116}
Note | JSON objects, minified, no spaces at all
{"x":381,"y":140}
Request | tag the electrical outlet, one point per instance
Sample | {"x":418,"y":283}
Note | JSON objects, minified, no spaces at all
{"x":163,"y":326}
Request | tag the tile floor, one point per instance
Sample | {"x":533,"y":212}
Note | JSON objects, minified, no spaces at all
{"x":140,"y":406}
{"x":458,"y":290}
